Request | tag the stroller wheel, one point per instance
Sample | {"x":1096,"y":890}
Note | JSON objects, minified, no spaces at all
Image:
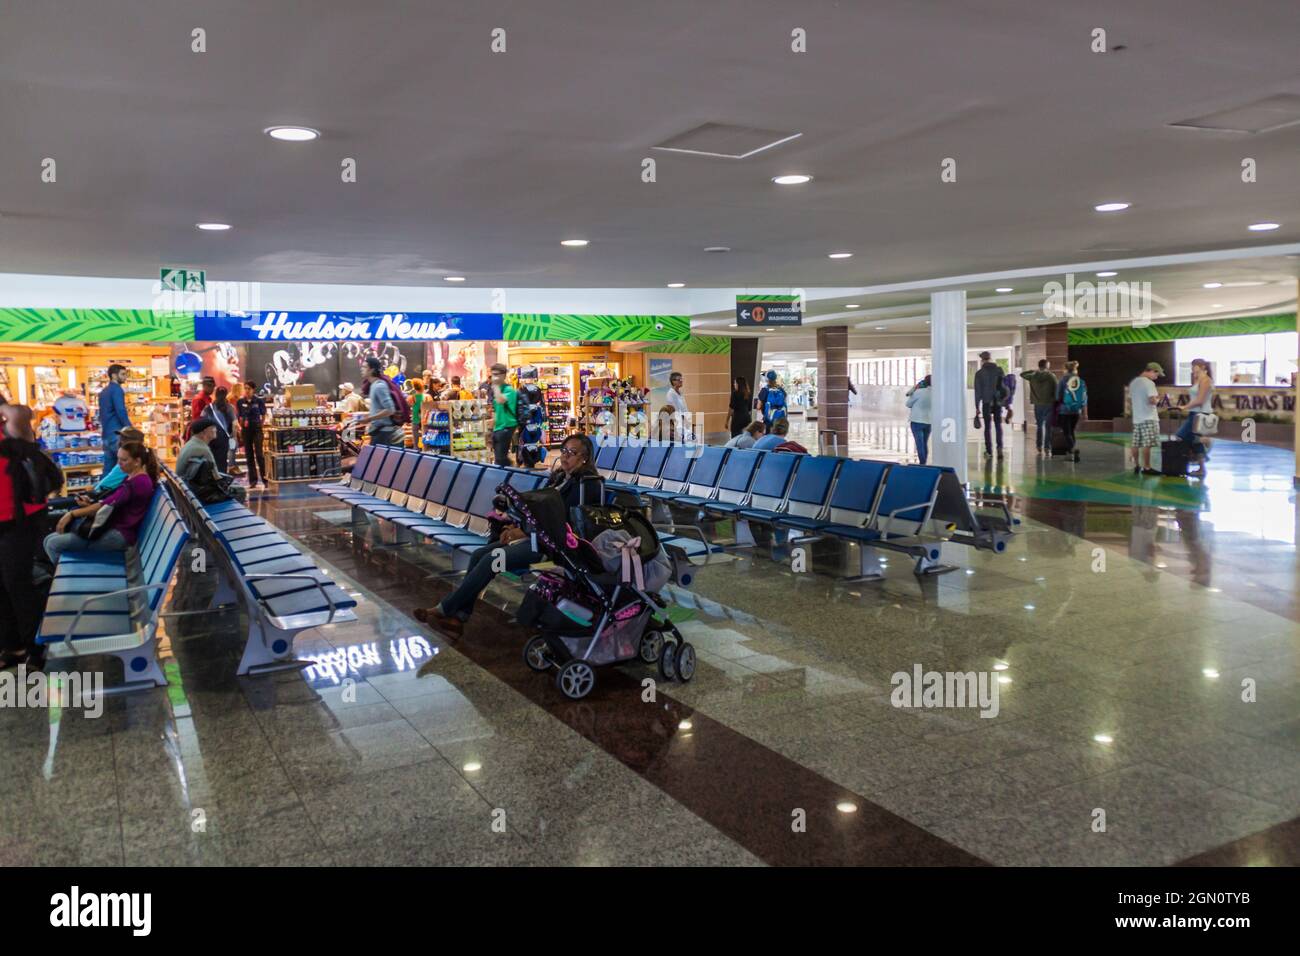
{"x":652,"y":645}
{"x":535,"y":654}
{"x":576,"y":679}
{"x":685,"y":662}
{"x":668,"y":662}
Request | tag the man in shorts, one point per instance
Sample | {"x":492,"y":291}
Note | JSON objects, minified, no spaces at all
{"x":1146,"y":420}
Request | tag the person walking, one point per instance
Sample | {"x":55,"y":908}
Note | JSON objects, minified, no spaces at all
{"x":225,"y":415}
{"x":505,"y":421}
{"x":771,"y":400}
{"x":251,"y":410}
{"x":989,"y":394}
{"x":112,"y":414}
{"x":382,"y":423}
{"x":1042,"y":395}
{"x":918,"y":404}
{"x":417,"y":410}
{"x":1202,"y":403}
{"x":203,"y":399}
{"x":681,"y":411}
{"x":1072,"y":395}
{"x":27,"y":478}
{"x":1146,"y":419}
{"x":738,"y":414}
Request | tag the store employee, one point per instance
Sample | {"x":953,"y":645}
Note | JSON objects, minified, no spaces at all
{"x":252,"y":412}
{"x":112,"y":414}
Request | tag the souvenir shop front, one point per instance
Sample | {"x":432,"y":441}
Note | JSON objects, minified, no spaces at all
{"x":308,"y":368}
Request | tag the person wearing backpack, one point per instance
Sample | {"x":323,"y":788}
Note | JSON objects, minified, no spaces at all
{"x":388,"y":408}
{"x":1072,"y":396}
{"x":505,"y":402}
{"x":771,"y":401}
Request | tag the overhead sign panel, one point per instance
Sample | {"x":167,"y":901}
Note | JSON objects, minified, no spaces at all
{"x":769,"y":311}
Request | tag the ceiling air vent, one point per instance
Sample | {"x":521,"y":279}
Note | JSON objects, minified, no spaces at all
{"x":1261,"y":116}
{"x":727,"y":142}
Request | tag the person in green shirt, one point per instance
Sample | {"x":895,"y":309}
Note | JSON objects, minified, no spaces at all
{"x":1042,"y":393}
{"x":417,"y":407}
{"x":505,"y":402}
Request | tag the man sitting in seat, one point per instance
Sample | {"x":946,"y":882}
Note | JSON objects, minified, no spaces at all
{"x":196,"y":451}
{"x":573,"y":466}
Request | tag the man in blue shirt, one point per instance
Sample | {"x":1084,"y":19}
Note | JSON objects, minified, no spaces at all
{"x":112,"y":414}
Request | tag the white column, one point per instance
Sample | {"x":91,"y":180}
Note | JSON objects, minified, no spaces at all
{"x":948,"y":377}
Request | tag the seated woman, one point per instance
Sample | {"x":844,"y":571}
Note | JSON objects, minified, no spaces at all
{"x":130,"y":503}
{"x":574,"y":465}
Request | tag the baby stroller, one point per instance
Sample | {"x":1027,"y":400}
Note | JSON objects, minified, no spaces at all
{"x":588,"y":617}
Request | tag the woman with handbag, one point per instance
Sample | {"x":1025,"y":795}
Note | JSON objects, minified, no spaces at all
{"x":1201,"y":420}
{"x":89,"y":528}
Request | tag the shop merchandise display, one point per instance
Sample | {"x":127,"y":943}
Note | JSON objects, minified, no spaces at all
{"x":531,"y":412}
{"x":302,"y":443}
{"x":615,"y":407}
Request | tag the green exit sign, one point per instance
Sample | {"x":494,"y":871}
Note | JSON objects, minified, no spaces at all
{"x":183,"y":280}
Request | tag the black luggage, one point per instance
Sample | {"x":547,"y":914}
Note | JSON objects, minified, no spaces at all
{"x":1060,"y":444}
{"x":1174,"y":457}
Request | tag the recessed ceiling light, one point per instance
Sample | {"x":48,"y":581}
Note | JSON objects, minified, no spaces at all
{"x":1264,"y":226}
{"x":472,"y":767}
{"x":1112,"y":206}
{"x":840,"y":255}
{"x":573,"y":243}
{"x":1107,"y":275}
{"x":1212,"y":285}
{"x":732,"y":325}
{"x":453,"y":278}
{"x":851,"y":305}
{"x":1000,"y":667}
{"x":717,"y":248}
{"x":1163,"y":315}
{"x":676,"y":285}
{"x":792,"y":179}
{"x":292,"y":134}
{"x":845,"y":806}
{"x":880,"y":328}
{"x":1210,"y":672}
{"x":1103,"y":738}
{"x":1004,"y":288}
{"x":1217,"y":305}
{"x":213,"y":226}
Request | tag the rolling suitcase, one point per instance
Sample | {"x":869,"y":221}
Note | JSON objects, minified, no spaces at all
{"x":1174,"y":457}
{"x":1060,"y":446}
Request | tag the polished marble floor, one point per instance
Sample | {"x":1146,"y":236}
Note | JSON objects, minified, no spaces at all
{"x":1124,"y":634}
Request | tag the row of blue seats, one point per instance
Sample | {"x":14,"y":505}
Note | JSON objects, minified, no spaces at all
{"x":282,"y":589}
{"x":877,"y":504}
{"x":108,"y":602}
{"x":439,"y":498}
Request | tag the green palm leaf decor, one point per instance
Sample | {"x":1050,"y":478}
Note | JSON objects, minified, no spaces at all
{"x":1169,"y":331}
{"x":549,"y":327}
{"x":95,"y":325}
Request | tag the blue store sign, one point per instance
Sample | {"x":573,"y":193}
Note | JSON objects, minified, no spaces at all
{"x":344,"y":326}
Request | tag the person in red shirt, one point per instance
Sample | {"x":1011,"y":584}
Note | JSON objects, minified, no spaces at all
{"x":27,"y":477}
{"x":203,"y":399}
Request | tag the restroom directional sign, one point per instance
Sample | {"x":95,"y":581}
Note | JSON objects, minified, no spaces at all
{"x":183,"y":280}
{"x":768,"y":311}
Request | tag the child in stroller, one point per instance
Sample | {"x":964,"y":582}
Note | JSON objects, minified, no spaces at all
{"x":587,"y":615}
